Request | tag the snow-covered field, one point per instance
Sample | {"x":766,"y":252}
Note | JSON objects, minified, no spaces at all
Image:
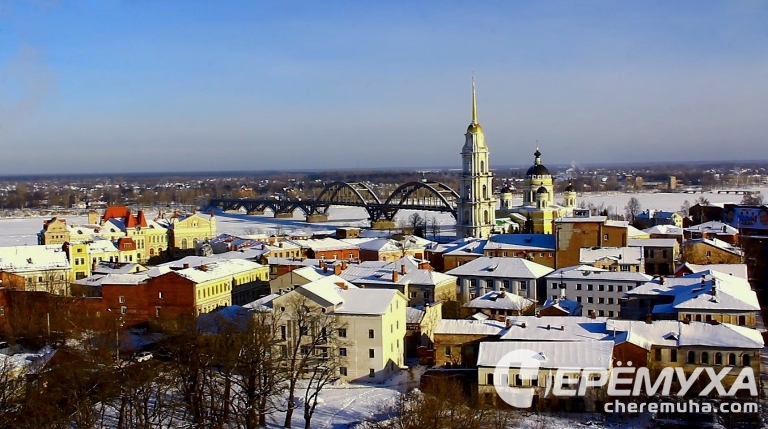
{"x":23,"y":231}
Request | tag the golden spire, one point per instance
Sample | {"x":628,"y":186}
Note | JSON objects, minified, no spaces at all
{"x":474,"y":103}
{"x":474,"y":127}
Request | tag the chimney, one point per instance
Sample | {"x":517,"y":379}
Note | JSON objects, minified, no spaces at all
{"x":203,"y":267}
{"x":337,"y":269}
{"x":591,"y":314}
{"x":343,"y":265}
{"x":538,"y":315}
{"x":186,"y":266}
{"x":394,"y":276}
{"x":93,"y":266}
{"x":703,"y":281}
{"x":562,"y":327}
{"x":342,"y":285}
{"x":661,"y":280}
{"x":325,"y":267}
{"x":402,"y":269}
{"x":549,"y":327}
{"x":713,"y":290}
{"x":523,"y":325}
{"x":648,"y":319}
{"x":502,"y":294}
{"x":713,"y":322}
{"x":280,"y":245}
{"x":508,"y":323}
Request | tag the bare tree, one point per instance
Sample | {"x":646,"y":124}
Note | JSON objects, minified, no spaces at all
{"x":755,"y":199}
{"x":311,"y":334}
{"x":685,"y":208}
{"x":416,"y":222}
{"x":632,"y":209}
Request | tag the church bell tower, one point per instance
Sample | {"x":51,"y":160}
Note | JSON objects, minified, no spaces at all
{"x":476,"y":208}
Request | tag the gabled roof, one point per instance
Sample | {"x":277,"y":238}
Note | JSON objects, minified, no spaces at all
{"x":516,"y":268}
{"x":568,"y":306}
{"x":673,"y":333}
{"x":500,"y":300}
{"x":713,"y":227}
{"x":652,"y":242}
{"x":731,"y":293}
{"x":714,"y":242}
{"x":469,"y":327}
{"x":533,"y":242}
{"x":366,"y":301}
{"x":374,"y":272}
{"x":414,"y":315}
{"x":217,"y":269}
{"x":550,"y":354}
{"x":664,"y":230}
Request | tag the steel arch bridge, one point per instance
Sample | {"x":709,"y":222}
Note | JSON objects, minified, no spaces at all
{"x":420,"y":196}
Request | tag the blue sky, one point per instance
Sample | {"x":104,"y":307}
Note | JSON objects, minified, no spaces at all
{"x":136,"y":86}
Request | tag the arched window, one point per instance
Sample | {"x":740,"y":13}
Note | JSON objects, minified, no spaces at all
{"x":718,"y":358}
{"x":704,"y":357}
{"x":745,"y":360}
{"x":482,"y":166}
{"x":731,"y":359}
{"x":194,"y":243}
{"x":151,"y":252}
{"x":691,"y":357}
{"x":485,"y":192}
{"x":486,"y":219}
{"x":183,"y":243}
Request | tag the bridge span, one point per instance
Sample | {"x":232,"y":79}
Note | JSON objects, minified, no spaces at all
{"x":419,"y":196}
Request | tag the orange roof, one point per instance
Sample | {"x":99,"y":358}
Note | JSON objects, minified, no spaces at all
{"x":122,"y":212}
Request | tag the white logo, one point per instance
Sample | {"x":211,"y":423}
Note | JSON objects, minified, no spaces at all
{"x":622,"y":380}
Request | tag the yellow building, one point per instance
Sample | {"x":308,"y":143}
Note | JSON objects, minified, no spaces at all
{"x":218,"y":282}
{"x":186,"y":232}
{"x":54,"y":232}
{"x":538,"y":212}
{"x":710,"y":251}
{"x":85,"y":256}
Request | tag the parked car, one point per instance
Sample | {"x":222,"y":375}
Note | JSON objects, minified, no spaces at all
{"x":143,"y":356}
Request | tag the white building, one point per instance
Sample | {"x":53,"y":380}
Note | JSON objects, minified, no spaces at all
{"x":514,"y":275}
{"x":598,"y":290}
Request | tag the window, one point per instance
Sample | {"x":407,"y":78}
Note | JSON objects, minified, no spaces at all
{"x":673,"y":355}
{"x":625,"y":268}
{"x":590,"y":300}
{"x":589,"y":287}
{"x":123,"y":310}
{"x":731,"y":359}
{"x":610,"y":314}
{"x":413,"y":294}
{"x":343,"y":351}
{"x":691,"y":357}
{"x":566,"y":381}
{"x":157,"y":311}
{"x":745,"y":360}
{"x":601,"y":300}
{"x":518,"y":380}
{"x":343,"y":333}
{"x":371,"y":373}
{"x":578,"y":299}
{"x":601,"y":288}
{"x":658,"y":355}
{"x":489,"y":378}
{"x":343,"y":371}
{"x":554,"y":285}
{"x":283,"y":332}
{"x":371,"y":353}
{"x":578,"y":286}
{"x":370,"y":333}
{"x":606,"y":237}
{"x":610,"y":288}
{"x":610,"y":300}
{"x":704,"y":357}
{"x":718,"y":358}
{"x":523,"y":285}
{"x":122,"y":299}
{"x":619,"y":288}
{"x":2,"y":310}
{"x":709,"y":253}
{"x":600,"y":313}
{"x":742,"y":320}
{"x":448,"y":351}
{"x":160,"y":295}
{"x":506,"y":282}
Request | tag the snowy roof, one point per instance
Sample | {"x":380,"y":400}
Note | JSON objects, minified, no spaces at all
{"x":561,"y":328}
{"x":327,"y":289}
{"x":501,"y":267}
{"x":117,"y":268}
{"x":262,"y":304}
{"x":370,"y":273}
{"x":655,"y":214}
{"x":652,"y":242}
{"x":634,"y":232}
{"x":679,"y":334}
{"x":664,"y":230}
{"x":588,"y":272}
{"x":365,"y":301}
{"x":469,"y":327}
{"x":471,"y":248}
{"x":713,"y":227}
{"x":550,"y":354}
{"x":414,"y":315}
{"x":113,"y":279}
{"x":454,"y":245}
{"x":500,"y":300}
{"x":738,"y":270}
{"x":217,"y":269}
{"x":732,"y":293}
{"x":18,"y":259}
{"x":622,"y":255}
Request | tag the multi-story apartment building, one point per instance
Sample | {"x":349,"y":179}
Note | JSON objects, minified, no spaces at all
{"x":515,"y":275}
{"x":660,"y":254}
{"x":599,"y":291}
{"x":582,"y":230}
{"x":371,"y":325}
{"x":36,"y":268}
